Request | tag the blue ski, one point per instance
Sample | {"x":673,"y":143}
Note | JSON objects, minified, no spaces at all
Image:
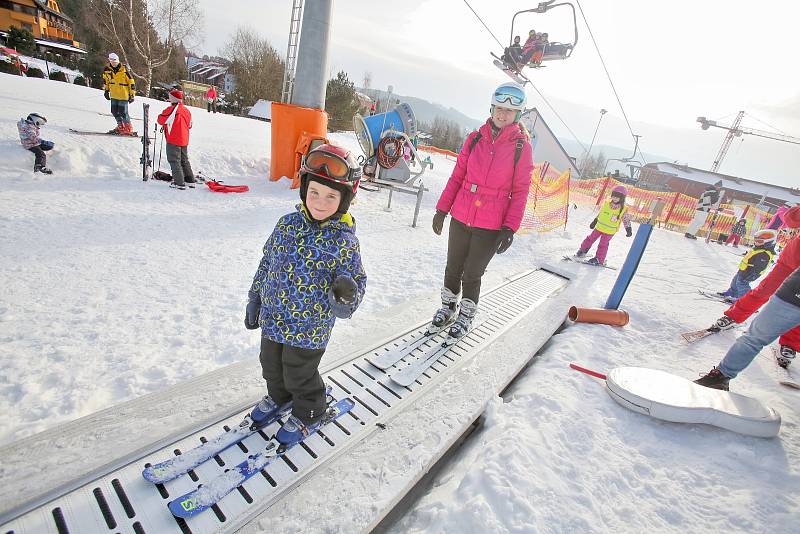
{"x":207,"y":495}
{"x":183,"y":463}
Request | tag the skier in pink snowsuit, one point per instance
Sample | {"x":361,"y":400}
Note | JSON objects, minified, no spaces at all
{"x":486,"y":197}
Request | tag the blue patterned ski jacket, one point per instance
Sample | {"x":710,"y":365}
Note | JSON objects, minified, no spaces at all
{"x":293,"y":283}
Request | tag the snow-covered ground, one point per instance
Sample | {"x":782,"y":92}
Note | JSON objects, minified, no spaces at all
{"x":113,"y":288}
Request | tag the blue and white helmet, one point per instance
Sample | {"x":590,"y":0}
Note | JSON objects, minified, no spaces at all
{"x":510,"y":95}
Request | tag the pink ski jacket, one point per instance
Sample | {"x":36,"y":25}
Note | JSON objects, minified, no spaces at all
{"x":484,"y":190}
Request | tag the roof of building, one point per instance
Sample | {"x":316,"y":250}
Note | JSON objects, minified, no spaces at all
{"x":63,"y":46}
{"x":685,"y":172}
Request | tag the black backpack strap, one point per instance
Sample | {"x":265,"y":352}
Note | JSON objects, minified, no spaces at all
{"x":518,"y":152}
{"x":474,"y":141}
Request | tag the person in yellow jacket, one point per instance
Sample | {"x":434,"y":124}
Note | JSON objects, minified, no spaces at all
{"x":120,"y":89}
{"x":613,"y":214}
{"x":752,"y":265}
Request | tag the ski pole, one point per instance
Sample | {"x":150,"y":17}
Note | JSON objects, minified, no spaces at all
{"x":160,"y":148}
{"x":155,"y":142}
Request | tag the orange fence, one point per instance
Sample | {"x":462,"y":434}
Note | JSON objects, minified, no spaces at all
{"x":435,"y":150}
{"x":674,"y":211}
{"x":548,"y":200}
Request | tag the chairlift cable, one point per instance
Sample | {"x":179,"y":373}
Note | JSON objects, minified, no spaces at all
{"x":484,"y":24}
{"x":602,"y":61}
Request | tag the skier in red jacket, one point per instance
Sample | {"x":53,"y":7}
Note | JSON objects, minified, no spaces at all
{"x":177,"y":120}
{"x":788,"y":261}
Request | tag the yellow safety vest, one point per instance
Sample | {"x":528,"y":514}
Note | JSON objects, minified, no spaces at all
{"x":609,"y":219}
{"x":745,"y":263}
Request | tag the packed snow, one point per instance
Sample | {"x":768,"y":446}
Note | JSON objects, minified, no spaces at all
{"x":114,"y":288}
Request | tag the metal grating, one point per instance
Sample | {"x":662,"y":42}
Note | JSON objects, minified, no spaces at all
{"x":122,"y":501}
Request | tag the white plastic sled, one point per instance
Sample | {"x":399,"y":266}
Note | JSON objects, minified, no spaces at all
{"x":676,"y":399}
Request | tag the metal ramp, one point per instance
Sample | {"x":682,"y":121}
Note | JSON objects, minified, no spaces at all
{"x":122,"y":501}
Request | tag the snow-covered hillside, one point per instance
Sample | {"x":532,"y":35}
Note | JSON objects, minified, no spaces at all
{"x":113,"y":288}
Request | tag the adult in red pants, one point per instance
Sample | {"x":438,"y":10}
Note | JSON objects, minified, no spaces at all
{"x":788,"y":261}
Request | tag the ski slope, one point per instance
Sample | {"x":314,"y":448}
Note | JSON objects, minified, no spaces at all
{"x":114,"y":288}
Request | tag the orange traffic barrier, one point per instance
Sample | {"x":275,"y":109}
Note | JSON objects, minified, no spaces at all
{"x":598,"y":316}
{"x":436,"y":150}
{"x":288,"y":124}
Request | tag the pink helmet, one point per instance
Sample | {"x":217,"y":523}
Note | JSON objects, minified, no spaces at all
{"x":620,"y":189}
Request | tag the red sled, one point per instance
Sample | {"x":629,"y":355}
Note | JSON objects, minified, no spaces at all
{"x":218,"y":187}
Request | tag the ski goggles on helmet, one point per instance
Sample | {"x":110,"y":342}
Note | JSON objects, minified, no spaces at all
{"x":510,"y":97}
{"x":331,"y":162}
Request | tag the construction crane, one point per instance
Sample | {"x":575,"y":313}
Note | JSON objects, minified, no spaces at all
{"x":736,"y":130}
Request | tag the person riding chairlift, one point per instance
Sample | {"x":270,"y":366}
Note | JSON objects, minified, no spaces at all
{"x":533,"y":50}
{"x":513,"y":55}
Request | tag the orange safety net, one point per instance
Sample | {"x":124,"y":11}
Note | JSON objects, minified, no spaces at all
{"x":435,"y":150}
{"x":548,"y":199}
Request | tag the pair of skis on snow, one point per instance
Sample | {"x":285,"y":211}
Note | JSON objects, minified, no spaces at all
{"x":207,"y":495}
{"x":409,"y":374}
{"x":585,"y":261}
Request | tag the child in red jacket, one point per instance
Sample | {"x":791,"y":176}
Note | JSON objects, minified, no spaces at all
{"x":177,"y":121}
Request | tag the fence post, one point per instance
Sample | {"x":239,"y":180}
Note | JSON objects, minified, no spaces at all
{"x":602,"y":191}
{"x":671,"y":207}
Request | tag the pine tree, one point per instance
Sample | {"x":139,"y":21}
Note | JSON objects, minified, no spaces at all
{"x":340,"y":102}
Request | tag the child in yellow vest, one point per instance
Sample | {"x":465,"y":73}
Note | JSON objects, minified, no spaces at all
{"x":752,"y":265}
{"x":613,"y":214}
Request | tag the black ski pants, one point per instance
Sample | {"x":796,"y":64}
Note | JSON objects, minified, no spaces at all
{"x":292,"y":374}
{"x":469,"y":251}
{"x":178,"y":158}
{"x":119,"y":108}
{"x":39,"y":153}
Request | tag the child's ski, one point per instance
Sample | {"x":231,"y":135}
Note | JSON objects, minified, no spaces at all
{"x":586,"y":262}
{"x":714,"y":296}
{"x":207,"y":495}
{"x":183,"y":463}
{"x":697,"y":335}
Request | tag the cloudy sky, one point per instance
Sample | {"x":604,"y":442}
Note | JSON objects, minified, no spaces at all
{"x":670,"y":63}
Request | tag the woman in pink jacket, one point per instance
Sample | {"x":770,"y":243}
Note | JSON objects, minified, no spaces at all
{"x":485,"y":196}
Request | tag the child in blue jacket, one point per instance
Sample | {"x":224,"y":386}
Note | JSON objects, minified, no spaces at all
{"x":310,"y":273}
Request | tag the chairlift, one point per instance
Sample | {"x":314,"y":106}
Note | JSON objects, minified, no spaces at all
{"x":550,"y":51}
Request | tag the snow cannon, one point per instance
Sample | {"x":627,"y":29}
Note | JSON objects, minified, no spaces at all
{"x":370,"y":130}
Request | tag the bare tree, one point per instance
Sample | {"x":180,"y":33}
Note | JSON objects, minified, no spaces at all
{"x":256,"y":65}
{"x":145,"y":32}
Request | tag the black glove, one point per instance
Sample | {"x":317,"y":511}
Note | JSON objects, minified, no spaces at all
{"x":344,"y":289}
{"x":593,"y":223}
{"x":438,"y":222}
{"x":107,"y":95}
{"x":251,"y":314}
{"x":130,"y":100}
{"x":505,"y":239}
{"x":628,"y":231}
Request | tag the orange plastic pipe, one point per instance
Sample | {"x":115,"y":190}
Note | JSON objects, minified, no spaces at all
{"x":598,"y":316}
{"x":288,"y":123}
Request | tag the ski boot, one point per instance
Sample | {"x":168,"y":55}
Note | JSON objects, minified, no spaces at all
{"x":116,"y":131}
{"x":294,"y":430}
{"x":264,"y":412}
{"x":42,"y":169}
{"x":714,"y":379}
{"x":785,"y":356}
{"x":580,"y":253}
{"x":446,"y":313}
{"x":723,"y":323}
{"x":594,"y":261}
{"x":464,"y":321}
